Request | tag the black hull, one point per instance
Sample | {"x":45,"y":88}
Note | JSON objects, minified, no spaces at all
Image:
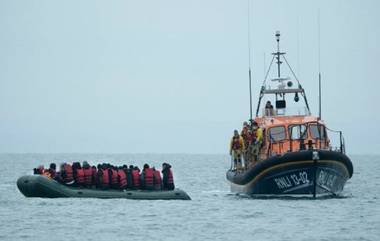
{"x":41,"y":186}
{"x":295,"y":173}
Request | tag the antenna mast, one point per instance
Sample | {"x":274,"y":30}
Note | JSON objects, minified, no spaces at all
{"x":319,"y":66}
{"x":278,"y":54}
{"x":249,"y":61}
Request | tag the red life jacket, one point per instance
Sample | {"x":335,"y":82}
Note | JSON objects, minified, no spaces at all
{"x":170,"y":177}
{"x":69,"y":173}
{"x":148,"y":177}
{"x":135,"y":178}
{"x":114,"y":177}
{"x":236,"y":145}
{"x":79,"y":179}
{"x":157,"y":179}
{"x":122,"y":179}
{"x":87,"y":176}
{"x":105,"y":178}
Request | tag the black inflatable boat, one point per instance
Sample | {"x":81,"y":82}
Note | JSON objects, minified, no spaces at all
{"x":41,"y":186}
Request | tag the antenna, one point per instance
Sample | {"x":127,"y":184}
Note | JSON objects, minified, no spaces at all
{"x":249,"y":60}
{"x":319,"y":65}
{"x":278,"y":53}
{"x":298,"y":46}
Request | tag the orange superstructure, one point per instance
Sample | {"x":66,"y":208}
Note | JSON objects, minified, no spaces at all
{"x":283,"y":134}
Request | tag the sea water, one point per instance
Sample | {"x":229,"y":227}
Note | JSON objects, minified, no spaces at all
{"x":214,"y":213}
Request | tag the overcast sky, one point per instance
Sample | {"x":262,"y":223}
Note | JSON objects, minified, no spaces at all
{"x":171,"y":76}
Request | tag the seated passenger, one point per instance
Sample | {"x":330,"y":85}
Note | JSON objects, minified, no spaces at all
{"x":147,"y":178}
{"x":113,"y":177}
{"x":269,"y":111}
{"x":78,"y":174}
{"x":103,"y":178}
{"x":122,"y":178}
{"x":66,"y":174}
{"x":167,"y":177}
{"x":157,"y":179}
{"x":87,"y":171}
{"x":39,"y":170}
{"x":128,"y":171}
{"x":94,"y":172}
{"x":52,"y":171}
{"x":136,"y":178}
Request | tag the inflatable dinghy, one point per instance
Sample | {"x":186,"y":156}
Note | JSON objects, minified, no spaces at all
{"x":41,"y":186}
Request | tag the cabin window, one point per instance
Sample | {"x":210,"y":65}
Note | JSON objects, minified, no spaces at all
{"x":297,"y":132}
{"x":277,"y":133}
{"x":315,"y":132}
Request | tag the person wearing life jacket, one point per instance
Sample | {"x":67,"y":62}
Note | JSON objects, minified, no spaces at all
{"x":50,"y":172}
{"x":167,"y":177}
{"x":66,"y":174}
{"x":103,"y":177}
{"x":113,"y":173}
{"x":128,"y":171}
{"x":87,"y":171}
{"x":246,"y":134}
{"x":78,"y":174}
{"x":136,"y":178}
{"x":122,"y":178}
{"x":39,"y":170}
{"x":147,"y":178}
{"x":157,"y":181}
{"x":257,"y":141}
{"x":94,"y":173}
{"x":236,"y":150}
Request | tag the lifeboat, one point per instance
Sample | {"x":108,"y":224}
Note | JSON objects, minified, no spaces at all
{"x":298,"y":153}
{"x":44,"y":187}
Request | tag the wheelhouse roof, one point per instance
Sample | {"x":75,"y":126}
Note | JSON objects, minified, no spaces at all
{"x":269,"y":121}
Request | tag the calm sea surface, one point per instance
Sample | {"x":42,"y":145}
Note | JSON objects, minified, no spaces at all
{"x":212,"y":214}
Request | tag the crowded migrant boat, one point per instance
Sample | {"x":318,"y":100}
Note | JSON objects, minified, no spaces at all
{"x":106,"y":176}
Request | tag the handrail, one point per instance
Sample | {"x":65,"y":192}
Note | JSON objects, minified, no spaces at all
{"x":321,"y":139}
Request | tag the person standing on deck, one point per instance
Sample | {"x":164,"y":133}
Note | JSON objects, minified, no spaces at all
{"x":236,"y":149}
{"x":257,"y":141}
{"x":269,"y":110}
{"x":246,"y":134}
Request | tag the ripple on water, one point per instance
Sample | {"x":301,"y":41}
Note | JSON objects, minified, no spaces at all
{"x":213,"y":214}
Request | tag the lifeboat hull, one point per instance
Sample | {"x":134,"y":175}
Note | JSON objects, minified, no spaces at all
{"x":295,"y":173}
{"x":41,"y":186}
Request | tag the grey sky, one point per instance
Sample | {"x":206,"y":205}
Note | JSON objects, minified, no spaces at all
{"x":171,"y":76}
